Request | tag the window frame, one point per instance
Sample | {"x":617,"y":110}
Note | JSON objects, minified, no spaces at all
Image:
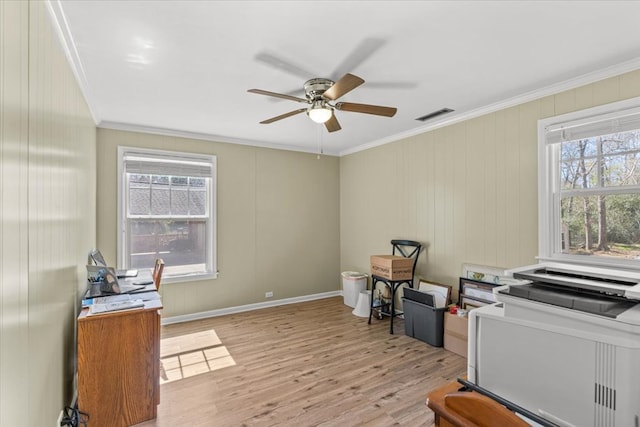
{"x":211,"y":234}
{"x":549,"y":213}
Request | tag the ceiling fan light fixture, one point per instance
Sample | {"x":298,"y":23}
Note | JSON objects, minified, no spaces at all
{"x":320,"y":97}
{"x":319,"y":112}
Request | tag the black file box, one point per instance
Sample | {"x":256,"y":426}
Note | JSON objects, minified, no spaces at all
{"x":423,"y":322}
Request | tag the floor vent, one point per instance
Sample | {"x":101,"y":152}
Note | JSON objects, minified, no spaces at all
{"x":605,"y":396}
{"x":434,"y":114}
{"x":605,"y":385}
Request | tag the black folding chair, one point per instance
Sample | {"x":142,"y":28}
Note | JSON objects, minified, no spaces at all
{"x":407,"y":249}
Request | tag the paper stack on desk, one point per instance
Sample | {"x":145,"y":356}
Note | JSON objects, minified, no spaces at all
{"x":113,"y":306}
{"x":146,"y":296}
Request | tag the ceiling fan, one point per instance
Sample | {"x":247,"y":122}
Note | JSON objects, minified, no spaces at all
{"x":320,"y":95}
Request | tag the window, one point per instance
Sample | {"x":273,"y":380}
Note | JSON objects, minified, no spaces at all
{"x":589,"y":180}
{"x":166,"y":210}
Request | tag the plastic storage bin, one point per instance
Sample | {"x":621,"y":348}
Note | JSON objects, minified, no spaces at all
{"x":352,"y":284}
{"x":424,"y":322}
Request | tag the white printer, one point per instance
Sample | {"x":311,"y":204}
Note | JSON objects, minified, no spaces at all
{"x":563,"y":343}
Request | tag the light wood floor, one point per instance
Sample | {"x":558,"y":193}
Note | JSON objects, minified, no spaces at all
{"x":306,"y":364}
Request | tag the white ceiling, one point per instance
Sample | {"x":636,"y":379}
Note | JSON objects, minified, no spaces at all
{"x":184,"y":67}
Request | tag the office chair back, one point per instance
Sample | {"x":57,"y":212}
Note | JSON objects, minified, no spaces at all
{"x":157,"y":272}
{"x":481,"y":411}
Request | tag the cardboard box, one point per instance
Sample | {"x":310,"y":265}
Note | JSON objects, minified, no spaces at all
{"x":455,"y":333}
{"x":392,"y":267}
{"x":458,"y":325}
{"x":455,"y":344}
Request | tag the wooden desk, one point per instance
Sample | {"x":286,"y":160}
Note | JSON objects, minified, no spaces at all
{"x":469,"y":409}
{"x":119,"y":365}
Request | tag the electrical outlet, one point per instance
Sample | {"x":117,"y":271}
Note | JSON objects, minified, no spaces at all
{"x":268,"y":294}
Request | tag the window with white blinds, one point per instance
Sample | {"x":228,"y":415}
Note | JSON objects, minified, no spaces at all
{"x":166,"y":210}
{"x":589,"y":185}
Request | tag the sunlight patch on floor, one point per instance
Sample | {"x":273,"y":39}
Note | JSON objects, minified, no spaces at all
{"x":193,"y":354}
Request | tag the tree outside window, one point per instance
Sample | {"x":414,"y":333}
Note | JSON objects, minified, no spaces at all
{"x":600,"y":202}
{"x":589,"y":186}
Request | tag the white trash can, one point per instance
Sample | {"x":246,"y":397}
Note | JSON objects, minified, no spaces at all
{"x":352,"y":284}
{"x":364,"y":304}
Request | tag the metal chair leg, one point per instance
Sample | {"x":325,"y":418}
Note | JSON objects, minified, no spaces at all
{"x":393,"y":308}
{"x":373,"y":288}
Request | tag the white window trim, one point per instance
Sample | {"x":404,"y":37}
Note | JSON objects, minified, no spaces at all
{"x":121,"y":226}
{"x":548,"y":206}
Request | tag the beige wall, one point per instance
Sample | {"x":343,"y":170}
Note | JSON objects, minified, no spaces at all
{"x":467,"y":191}
{"x":47,"y":158}
{"x":278,"y":222}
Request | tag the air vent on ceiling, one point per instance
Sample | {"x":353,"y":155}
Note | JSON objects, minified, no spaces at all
{"x":434,"y":114}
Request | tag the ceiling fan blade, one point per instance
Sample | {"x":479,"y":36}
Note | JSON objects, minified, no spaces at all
{"x":278,"y":95}
{"x":377,"y":110}
{"x":365,"y":49}
{"x":283,"y":116}
{"x":346,"y":84}
{"x":288,"y":93}
{"x":283,"y":64}
{"x":391,"y":85}
{"x":332,"y":124}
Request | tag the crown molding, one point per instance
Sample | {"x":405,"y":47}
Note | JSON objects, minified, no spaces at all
{"x":553,"y":89}
{"x":66,"y":40}
{"x":207,"y":137}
